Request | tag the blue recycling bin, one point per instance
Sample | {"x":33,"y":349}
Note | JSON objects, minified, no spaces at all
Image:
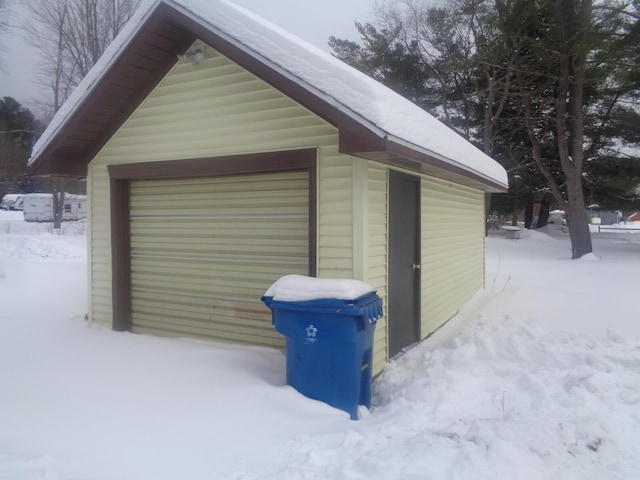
{"x":329,"y":347}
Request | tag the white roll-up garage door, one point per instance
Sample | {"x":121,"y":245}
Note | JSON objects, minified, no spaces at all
{"x":204,"y":250}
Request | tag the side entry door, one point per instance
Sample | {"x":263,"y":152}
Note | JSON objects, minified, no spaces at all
{"x":404,"y":261}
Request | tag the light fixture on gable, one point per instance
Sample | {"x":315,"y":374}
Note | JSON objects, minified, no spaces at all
{"x":195,"y":57}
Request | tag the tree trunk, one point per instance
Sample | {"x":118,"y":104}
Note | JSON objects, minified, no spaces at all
{"x":58,"y":203}
{"x":577,"y":221}
{"x":528,"y":215}
{"x":516,"y":210}
{"x":543,"y":215}
{"x":569,"y":117}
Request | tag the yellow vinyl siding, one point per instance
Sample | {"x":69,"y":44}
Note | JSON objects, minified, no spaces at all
{"x":214,"y":109}
{"x":99,"y":237}
{"x":204,"y":250}
{"x":335,"y":217}
{"x":376,"y":252}
{"x":452,"y":249}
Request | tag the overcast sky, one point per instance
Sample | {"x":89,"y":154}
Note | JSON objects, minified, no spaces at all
{"x":312,"y":20}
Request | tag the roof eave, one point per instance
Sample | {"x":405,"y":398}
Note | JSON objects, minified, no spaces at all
{"x":50,"y":165}
{"x":395,"y":152}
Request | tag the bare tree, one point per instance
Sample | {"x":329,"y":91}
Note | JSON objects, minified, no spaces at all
{"x":4,"y":8}
{"x":5,"y":15}
{"x":72,"y":35}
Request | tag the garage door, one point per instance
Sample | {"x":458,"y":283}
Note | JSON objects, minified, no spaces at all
{"x":204,"y":250}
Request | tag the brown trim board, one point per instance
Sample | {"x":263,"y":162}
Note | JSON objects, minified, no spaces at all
{"x":120,"y":180}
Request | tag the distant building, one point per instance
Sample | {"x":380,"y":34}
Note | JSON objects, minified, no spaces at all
{"x":603,"y":217}
{"x":38,"y":207}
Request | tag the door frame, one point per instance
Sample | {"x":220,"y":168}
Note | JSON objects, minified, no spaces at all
{"x":120,"y":177}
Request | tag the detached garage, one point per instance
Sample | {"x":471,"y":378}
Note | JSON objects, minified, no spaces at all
{"x":261,"y":156}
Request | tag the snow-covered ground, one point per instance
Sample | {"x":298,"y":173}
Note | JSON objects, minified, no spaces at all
{"x":537,"y":378}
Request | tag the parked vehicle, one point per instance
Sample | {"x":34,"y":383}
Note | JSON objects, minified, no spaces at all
{"x":38,"y":207}
{"x":12,"y":201}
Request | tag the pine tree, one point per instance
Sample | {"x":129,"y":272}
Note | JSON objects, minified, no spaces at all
{"x":547,"y":87}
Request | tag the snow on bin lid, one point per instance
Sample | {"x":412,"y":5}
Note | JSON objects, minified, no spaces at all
{"x":298,"y":288}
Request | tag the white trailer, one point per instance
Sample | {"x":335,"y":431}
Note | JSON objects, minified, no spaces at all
{"x":38,"y":207}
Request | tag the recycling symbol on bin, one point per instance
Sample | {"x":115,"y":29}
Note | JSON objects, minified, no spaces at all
{"x":311,"y":331}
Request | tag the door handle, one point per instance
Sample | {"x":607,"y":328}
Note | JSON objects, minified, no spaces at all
{"x":415,"y":266}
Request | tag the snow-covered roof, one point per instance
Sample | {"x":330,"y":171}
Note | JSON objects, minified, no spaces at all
{"x":384,"y":113}
{"x":67,"y":196}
